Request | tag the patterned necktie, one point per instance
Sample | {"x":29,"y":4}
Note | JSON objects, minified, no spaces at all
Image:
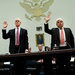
{"x":62,"y":37}
{"x":17,"y":37}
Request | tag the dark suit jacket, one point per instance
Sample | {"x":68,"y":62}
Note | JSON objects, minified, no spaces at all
{"x":55,"y":36}
{"x":23,"y":40}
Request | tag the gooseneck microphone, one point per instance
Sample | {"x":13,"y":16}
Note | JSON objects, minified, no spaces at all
{"x":68,"y":44}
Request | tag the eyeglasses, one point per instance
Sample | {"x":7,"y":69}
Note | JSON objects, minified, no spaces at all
{"x":17,"y":21}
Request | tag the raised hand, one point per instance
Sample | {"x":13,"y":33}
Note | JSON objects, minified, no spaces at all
{"x":47,"y":18}
{"x":5,"y":24}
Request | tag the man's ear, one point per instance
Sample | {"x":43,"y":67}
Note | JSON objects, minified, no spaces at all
{"x":20,"y":22}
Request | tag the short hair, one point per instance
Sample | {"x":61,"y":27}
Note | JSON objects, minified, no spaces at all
{"x":59,"y":19}
{"x":40,"y":45}
{"x":17,"y":19}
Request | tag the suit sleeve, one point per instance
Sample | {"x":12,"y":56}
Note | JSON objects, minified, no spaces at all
{"x":72,"y":39}
{"x":46,"y":29}
{"x":5,"y":35}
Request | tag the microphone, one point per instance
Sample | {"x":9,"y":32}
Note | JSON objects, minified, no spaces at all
{"x":68,"y":44}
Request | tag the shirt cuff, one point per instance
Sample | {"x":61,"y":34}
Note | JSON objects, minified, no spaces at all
{"x":45,"y":23}
{"x":26,"y":51}
{"x":4,"y":28}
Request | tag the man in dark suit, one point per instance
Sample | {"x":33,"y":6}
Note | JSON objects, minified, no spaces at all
{"x":60,"y":37}
{"x":55,"y":34}
{"x":12,"y":34}
{"x":18,"y":43}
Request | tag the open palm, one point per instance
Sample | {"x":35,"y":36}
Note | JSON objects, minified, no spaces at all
{"x":47,"y":18}
{"x":5,"y":24}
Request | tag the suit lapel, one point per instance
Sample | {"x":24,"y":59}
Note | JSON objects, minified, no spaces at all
{"x":20,"y":33}
{"x":66,"y":36}
{"x":58,"y":35}
{"x":13,"y":33}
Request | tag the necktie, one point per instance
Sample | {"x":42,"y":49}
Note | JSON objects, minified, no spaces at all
{"x":62,"y":37}
{"x":17,"y":37}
